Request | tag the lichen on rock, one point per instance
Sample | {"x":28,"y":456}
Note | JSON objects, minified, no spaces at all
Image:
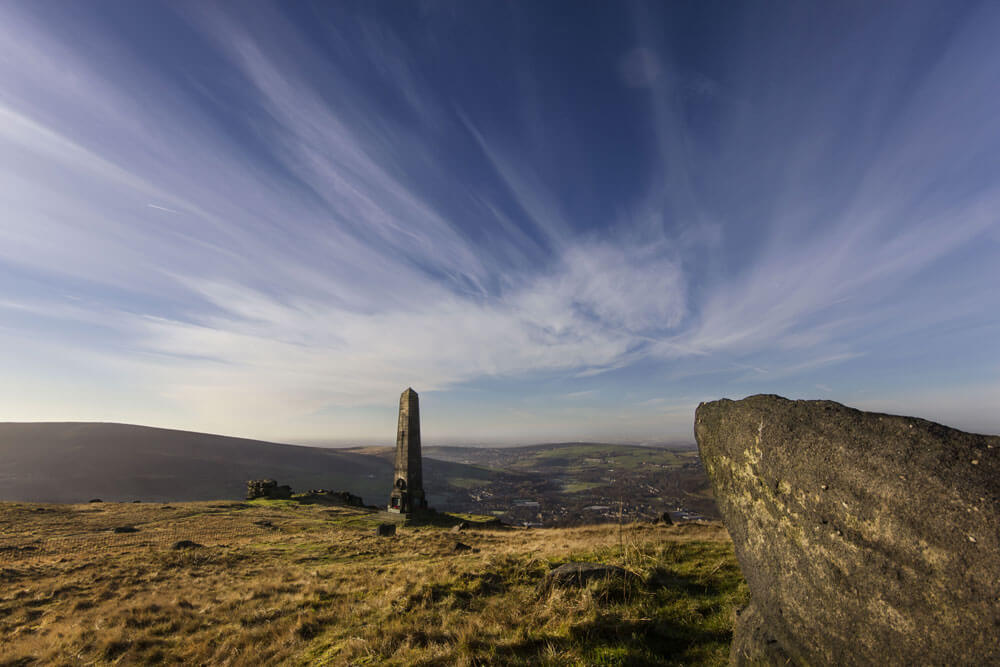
{"x":865,"y":538}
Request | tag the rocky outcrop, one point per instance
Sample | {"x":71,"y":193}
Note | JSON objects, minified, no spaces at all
{"x":865,"y":538}
{"x":267,"y":488}
{"x":336,"y":497}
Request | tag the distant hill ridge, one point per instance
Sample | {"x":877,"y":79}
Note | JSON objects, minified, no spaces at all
{"x":76,"y":461}
{"x":566,"y":445}
{"x":72,"y":462}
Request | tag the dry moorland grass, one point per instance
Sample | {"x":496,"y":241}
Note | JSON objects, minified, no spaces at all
{"x":282,"y":582}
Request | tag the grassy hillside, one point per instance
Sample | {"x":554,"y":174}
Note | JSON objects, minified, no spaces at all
{"x":277,"y":581}
{"x":550,"y":484}
{"x":74,"y":462}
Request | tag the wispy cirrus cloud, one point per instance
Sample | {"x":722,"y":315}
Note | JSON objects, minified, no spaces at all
{"x":298,"y":215}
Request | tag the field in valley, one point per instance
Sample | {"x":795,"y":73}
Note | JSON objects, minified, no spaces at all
{"x":555,"y":484}
{"x":285,"y":582}
{"x":577,"y":483}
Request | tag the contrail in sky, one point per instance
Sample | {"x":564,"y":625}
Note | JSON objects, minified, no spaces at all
{"x":163,"y":208}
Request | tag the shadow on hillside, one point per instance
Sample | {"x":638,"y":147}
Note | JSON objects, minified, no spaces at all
{"x":610,"y":639}
{"x":444,"y":520}
{"x":690,"y":585}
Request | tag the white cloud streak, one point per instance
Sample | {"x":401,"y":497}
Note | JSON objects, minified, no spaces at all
{"x":329,"y":277}
{"x":162,"y":208}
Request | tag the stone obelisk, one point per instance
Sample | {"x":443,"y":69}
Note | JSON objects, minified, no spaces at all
{"x":408,"y":479}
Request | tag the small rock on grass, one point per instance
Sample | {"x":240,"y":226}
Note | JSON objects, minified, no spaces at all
{"x":186,"y":544}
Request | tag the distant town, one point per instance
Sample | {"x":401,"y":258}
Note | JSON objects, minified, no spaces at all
{"x":574,"y":483}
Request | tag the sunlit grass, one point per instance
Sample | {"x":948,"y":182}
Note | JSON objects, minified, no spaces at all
{"x":304,"y":584}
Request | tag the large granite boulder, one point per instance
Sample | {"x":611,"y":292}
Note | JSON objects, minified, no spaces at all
{"x":865,"y":538}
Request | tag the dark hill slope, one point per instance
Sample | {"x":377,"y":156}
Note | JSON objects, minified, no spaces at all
{"x":73,"y":462}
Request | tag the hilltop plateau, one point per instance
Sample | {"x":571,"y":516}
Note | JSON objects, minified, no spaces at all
{"x":271,"y":581}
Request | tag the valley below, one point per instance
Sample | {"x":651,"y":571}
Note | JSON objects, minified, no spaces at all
{"x":568,"y":484}
{"x":558,"y":484}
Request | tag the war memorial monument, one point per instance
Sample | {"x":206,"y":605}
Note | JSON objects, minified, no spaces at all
{"x":408,"y":480}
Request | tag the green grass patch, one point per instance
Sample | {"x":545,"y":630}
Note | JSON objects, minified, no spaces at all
{"x":283,"y":503}
{"x":467,"y":483}
{"x":677,"y":611}
{"x":577,"y":486}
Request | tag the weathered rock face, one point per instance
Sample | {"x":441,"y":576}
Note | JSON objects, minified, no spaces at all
{"x":865,"y":538}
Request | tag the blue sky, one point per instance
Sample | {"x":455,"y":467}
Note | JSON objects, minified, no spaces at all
{"x":554,"y":220}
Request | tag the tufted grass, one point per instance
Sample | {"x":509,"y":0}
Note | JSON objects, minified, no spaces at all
{"x":284,"y":583}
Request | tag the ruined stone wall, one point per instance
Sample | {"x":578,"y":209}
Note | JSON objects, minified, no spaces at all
{"x":267,"y":488}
